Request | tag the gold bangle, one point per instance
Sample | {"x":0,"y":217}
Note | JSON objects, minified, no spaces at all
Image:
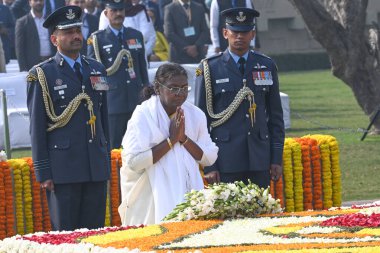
{"x":183,"y":143}
{"x":170,"y":143}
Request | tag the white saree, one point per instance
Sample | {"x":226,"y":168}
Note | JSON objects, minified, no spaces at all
{"x":151,"y":192}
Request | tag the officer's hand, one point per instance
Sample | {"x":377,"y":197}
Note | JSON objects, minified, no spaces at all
{"x":275,"y":171}
{"x":212,"y":177}
{"x":48,"y":185}
{"x":176,"y":126}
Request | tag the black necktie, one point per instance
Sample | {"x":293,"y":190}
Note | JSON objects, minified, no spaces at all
{"x":241,"y":62}
{"x":120,"y":36}
{"x":77,"y":71}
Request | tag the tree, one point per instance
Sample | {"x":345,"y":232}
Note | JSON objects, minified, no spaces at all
{"x":353,"y":47}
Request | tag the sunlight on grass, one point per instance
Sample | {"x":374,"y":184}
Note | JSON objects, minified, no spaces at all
{"x":321,"y":103}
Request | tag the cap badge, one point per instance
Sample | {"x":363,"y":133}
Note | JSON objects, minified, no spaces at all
{"x":117,"y":1}
{"x":241,"y":18}
{"x":70,"y":14}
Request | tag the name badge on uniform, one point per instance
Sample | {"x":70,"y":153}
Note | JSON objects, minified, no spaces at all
{"x":224,"y":80}
{"x":132,"y":73}
{"x":189,"y":31}
{"x":134,"y":44}
{"x":99,"y":83}
{"x":60,"y":87}
{"x":262,"y":77}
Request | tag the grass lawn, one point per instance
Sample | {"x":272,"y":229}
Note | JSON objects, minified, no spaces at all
{"x":322,"y":104}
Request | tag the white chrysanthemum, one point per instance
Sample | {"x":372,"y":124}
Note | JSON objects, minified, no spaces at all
{"x":3,"y":156}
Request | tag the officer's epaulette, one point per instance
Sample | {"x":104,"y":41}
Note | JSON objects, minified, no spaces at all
{"x":261,"y":54}
{"x":96,"y":32}
{"x":31,"y":77}
{"x":214,"y":56}
{"x":42,"y":63}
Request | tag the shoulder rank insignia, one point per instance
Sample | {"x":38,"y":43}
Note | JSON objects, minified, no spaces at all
{"x":89,"y":40}
{"x":198,"y":72}
{"x":31,"y":77}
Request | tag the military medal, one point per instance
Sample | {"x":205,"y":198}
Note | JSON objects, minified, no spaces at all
{"x":99,"y":83}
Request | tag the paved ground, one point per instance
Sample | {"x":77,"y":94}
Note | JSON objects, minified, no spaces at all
{"x":359,"y":202}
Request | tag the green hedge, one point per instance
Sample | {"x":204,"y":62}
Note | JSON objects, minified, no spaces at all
{"x":296,"y":62}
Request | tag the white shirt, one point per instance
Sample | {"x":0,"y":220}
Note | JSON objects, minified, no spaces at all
{"x":138,"y":22}
{"x":43,"y":35}
{"x":214,"y":22}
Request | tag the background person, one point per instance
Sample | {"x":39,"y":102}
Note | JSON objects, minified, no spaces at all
{"x":186,"y":30}
{"x":33,"y":43}
{"x":71,"y":154}
{"x":249,"y":131}
{"x":126,"y":76}
{"x":165,"y":142}
{"x":136,"y":18}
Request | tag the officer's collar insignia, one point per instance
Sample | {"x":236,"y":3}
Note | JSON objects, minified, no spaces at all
{"x":70,"y":14}
{"x":241,"y":17}
{"x":61,"y":62}
{"x":117,"y":1}
{"x":198,"y":72}
{"x":58,"y":82}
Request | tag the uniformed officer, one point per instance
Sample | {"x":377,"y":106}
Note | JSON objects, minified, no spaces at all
{"x":69,"y":127}
{"x":121,"y":50}
{"x":239,"y":92}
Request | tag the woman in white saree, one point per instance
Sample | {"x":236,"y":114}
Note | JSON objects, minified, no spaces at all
{"x":165,"y":142}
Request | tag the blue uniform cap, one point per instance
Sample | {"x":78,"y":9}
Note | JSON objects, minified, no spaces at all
{"x":240,"y":19}
{"x":64,"y":18}
{"x":115,"y":4}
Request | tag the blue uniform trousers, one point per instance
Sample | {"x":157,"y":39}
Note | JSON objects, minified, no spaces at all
{"x":77,"y":205}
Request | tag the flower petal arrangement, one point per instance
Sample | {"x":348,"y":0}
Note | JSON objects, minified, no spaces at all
{"x":355,"y":229}
{"x":225,"y":200}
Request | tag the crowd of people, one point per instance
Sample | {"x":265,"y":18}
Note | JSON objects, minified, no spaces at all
{"x":89,"y":93}
{"x":173,"y":30}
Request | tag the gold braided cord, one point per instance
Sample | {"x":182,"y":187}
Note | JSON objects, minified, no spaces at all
{"x":64,"y":118}
{"x":223,"y":116}
{"x":116,"y":64}
{"x":96,"y":48}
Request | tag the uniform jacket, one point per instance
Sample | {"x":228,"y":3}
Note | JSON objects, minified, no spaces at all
{"x":241,"y":146}
{"x":28,"y":43}
{"x":68,"y":154}
{"x":176,"y":21}
{"x":124,"y":92}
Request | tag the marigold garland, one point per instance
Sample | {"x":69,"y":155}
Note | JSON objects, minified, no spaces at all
{"x":114,"y":187}
{"x":18,"y":191}
{"x":306,"y":174}
{"x":316,"y":174}
{"x":288,"y":176}
{"x":36,"y":194}
{"x":10,"y":204}
{"x":297,"y":175}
